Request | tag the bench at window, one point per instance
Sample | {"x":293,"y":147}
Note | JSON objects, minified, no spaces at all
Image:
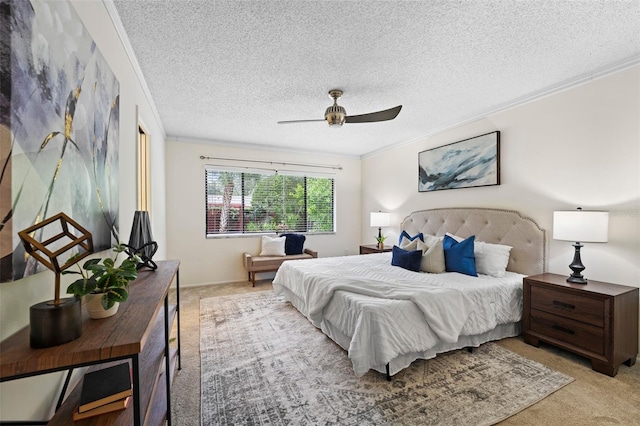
{"x":255,"y":264}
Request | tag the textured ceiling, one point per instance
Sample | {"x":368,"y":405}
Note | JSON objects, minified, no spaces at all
{"x":227,"y":71}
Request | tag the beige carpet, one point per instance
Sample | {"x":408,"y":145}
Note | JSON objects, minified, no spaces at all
{"x":592,"y":399}
{"x":264,"y":363}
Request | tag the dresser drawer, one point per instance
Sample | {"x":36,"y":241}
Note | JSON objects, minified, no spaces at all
{"x":569,"y":305}
{"x":577,"y":333}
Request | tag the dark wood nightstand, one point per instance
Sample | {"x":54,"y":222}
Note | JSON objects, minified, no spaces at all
{"x":597,"y":320}
{"x":373,"y":248}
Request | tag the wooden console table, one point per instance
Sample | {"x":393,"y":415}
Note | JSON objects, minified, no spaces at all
{"x":138,"y":333}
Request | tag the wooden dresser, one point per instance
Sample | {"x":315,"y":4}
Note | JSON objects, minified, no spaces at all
{"x":597,"y":320}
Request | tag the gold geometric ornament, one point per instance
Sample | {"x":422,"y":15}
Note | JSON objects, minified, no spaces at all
{"x":67,"y":236}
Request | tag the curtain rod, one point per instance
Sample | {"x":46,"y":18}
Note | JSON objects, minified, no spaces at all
{"x":320,"y":166}
{"x":274,"y":170}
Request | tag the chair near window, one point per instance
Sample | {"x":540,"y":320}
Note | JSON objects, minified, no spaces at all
{"x":275,"y":251}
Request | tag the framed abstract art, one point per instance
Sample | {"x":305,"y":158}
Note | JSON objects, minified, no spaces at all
{"x":464,"y":164}
{"x":59,"y":129}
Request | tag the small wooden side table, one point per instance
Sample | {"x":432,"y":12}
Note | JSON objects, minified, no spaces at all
{"x":373,"y":248}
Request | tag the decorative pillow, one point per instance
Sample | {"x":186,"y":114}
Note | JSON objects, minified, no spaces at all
{"x":431,"y":239}
{"x":272,"y":246}
{"x":491,"y":259}
{"x":406,"y":259}
{"x":294,"y":243}
{"x":410,"y":244}
{"x":458,"y":256}
{"x":432,"y":256}
{"x":405,"y":235}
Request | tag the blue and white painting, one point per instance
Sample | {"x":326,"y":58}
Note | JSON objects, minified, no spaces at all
{"x":59,"y":126}
{"x":467,"y":163}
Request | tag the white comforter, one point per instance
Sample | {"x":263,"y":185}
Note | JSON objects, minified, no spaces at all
{"x":387,"y":311}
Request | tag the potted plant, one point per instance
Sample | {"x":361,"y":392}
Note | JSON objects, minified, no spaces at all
{"x":104,"y":284}
{"x":380,"y":239}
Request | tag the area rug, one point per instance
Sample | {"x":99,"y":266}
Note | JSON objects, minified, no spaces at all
{"x":264,"y":363}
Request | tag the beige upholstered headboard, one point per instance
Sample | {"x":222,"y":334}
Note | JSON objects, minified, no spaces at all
{"x":509,"y":227}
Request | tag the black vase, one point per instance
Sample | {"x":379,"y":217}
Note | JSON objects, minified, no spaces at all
{"x":141,"y":240}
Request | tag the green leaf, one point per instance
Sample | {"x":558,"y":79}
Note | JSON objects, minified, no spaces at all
{"x":82,"y":286}
{"x":90,"y":262}
{"x":118,"y":294}
{"x":107,"y":302}
{"x":106,"y":281}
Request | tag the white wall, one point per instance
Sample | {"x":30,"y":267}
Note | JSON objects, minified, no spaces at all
{"x":579,"y":147}
{"x":17,"y":296}
{"x":217,"y":260}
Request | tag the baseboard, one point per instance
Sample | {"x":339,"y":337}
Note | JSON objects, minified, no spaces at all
{"x":215,"y":283}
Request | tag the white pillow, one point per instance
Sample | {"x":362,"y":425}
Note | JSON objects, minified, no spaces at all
{"x":272,"y":246}
{"x":432,"y":256}
{"x":432,"y":239}
{"x":491,"y":259}
{"x":409,"y":245}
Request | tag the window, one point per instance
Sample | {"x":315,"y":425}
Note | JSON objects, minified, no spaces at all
{"x":245,"y":203}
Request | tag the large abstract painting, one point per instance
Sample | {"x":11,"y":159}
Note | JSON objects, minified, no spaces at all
{"x":467,"y":163}
{"x":59,"y":112}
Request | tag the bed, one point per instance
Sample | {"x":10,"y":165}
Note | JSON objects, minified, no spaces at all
{"x":386,"y":317}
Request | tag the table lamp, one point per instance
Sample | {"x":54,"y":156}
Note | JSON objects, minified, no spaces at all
{"x":581,"y":227}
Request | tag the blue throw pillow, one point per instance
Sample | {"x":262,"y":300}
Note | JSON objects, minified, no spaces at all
{"x":293,"y":243}
{"x":406,"y":259}
{"x":409,"y":237}
{"x":458,"y":256}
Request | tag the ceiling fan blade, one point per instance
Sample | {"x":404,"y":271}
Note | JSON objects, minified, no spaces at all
{"x":387,"y":114}
{"x":300,"y":121}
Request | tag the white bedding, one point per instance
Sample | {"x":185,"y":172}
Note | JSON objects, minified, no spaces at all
{"x":380,"y":313}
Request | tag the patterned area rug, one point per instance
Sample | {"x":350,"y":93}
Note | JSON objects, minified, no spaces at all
{"x":264,"y":363}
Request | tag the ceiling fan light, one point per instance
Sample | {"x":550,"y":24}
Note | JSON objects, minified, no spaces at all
{"x":335,"y":114}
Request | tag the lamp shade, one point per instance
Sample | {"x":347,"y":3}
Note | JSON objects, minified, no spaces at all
{"x":581,"y":226}
{"x":379,"y":219}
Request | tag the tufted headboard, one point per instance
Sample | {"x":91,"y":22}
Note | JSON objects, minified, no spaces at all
{"x":509,"y":227}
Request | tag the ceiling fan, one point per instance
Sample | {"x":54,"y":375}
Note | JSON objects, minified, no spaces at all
{"x":336,"y":114}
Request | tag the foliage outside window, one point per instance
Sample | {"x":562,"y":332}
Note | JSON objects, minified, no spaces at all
{"x":244,"y":203}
